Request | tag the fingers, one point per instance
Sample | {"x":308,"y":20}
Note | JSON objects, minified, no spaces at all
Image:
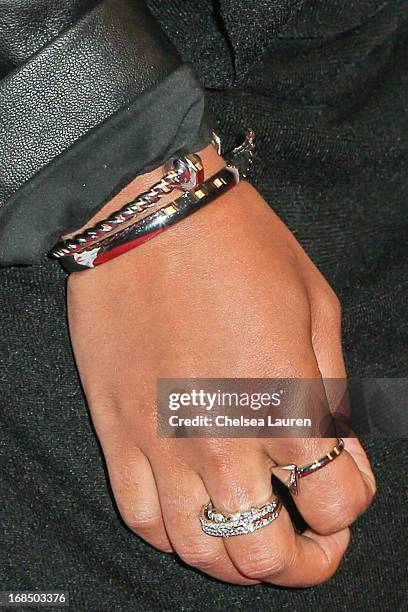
{"x":182,"y":497}
{"x":236,"y":479}
{"x":275,"y":553}
{"x":136,"y":496}
{"x":354,"y":448}
{"x":327,"y":345}
{"x":331,"y":498}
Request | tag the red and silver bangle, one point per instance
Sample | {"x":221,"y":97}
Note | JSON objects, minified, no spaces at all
{"x":94,"y":246}
{"x":183,"y":172}
{"x":156,"y":223}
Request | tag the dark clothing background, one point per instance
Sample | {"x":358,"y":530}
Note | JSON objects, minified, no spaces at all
{"x":325,"y":86}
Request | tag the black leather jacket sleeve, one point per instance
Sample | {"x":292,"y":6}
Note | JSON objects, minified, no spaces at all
{"x":91,"y":94}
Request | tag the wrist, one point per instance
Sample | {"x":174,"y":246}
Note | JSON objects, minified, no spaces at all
{"x":192,"y":248}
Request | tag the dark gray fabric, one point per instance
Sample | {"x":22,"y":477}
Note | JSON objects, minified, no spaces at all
{"x":58,"y":524}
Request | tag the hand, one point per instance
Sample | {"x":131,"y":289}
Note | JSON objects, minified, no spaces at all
{"x":227,"y":292}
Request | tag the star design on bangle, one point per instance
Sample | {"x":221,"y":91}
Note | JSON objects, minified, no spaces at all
{"x":86,"y":258}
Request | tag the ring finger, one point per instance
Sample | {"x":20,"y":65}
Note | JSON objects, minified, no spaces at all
{"x":182,"y":496}
{"x":274,"y":553}
{"x":330,"y":498}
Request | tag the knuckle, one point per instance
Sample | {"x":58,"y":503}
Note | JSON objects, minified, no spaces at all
{"x":330,"y":305}
{"x":341,"y":515}
{"x":164,"y":546}
{"x":199,"y":557}
{"x":326,"y":573}
{"x":352,"y":507}
{"x":150,"y":528}
{"x":371,"y":490}
{"x":161,"y":543}
{"x":219,"y":461}
{"x":329,"y":568}
{"x":332,"y":524}
{"x":141,"y":523}
{"x":262,"y":567}
{"x":298,"y":450}
{"x":361,"y":503}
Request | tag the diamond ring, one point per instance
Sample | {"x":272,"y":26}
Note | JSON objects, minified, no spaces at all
{"x":216,"y":523}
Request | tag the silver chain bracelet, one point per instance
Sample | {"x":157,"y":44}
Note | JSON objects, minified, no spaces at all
{"x":188,"y":169}
{"x":184,"y":172}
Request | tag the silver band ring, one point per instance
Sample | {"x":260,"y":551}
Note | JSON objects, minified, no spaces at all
{"x":216,"y":523}
{"x":290,"y":474}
